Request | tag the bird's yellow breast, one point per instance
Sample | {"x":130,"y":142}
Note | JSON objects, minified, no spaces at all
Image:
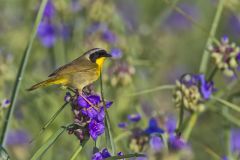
{"x":100,"y":61}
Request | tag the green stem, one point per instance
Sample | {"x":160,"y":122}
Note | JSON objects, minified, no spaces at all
{"x":79,"y":149}
{"x":190,"y":126}
{"x":205,"y":57}
{"x":107,"y":120}
{"x":20,"y":73}
{"x":74,"y":156}
{"x":155,"y":89}
{"x":126,"y":156}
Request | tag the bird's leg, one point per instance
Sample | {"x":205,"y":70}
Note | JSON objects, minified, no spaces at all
{"x":90,"y":103}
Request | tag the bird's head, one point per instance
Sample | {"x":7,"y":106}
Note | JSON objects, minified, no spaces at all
{"x":97,"y":55}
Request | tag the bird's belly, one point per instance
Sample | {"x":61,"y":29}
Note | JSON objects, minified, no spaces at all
{"x":82,"y":79}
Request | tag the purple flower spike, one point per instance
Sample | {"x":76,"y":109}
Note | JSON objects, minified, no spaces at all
{"x":47,"y":34}
{"x":116,"y":53}
{"x":96,"y":129}
{"x":134,"y":117}
{"x":153,"y":127}
{"x":156,"y":143}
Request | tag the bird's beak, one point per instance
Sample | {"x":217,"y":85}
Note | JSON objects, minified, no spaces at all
{"x":107,"y":55}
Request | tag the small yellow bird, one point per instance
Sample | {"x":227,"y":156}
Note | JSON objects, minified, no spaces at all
{"x":79,"y":73}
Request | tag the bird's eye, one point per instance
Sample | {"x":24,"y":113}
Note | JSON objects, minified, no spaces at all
{"x":93,"y":57}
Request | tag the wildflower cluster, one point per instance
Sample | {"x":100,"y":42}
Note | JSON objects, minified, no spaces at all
{"x":103,"y":154}
{"x":88,"y":118}
{"x":152,"y":135}
{"x":192,"y":90}
{"x":226,"y":56}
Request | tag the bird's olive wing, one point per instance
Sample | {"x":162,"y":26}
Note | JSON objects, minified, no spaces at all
{"x":78,"y":65}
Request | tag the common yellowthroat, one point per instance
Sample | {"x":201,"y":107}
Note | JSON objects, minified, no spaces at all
{"x":79,"y":73}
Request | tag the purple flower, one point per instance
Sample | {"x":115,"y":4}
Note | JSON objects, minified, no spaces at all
{"x":134,"y":117}
{"x":5,"y":103}
{"x":156,"y":143}
{"x":47,"y":34}
{"x":90,"y":112}
{"x":122,"y":125}
{"x":94,"y":99}
{"x":235,"y":141}
{"x":105,"y":153}
{"x":49,"y":10}
{"x":108,"y":104}
{"x":109,"y":36}
{"x":17,"y":137}
{"x":101,"y":114}
{"x":97,"y":156}
{"x":116,"y":53}
{"x":176,"y":143}
{"x":153,"y":127}
{"x":96,"y":129}
{"x":101,"y":155}
{"x":206,"y":88}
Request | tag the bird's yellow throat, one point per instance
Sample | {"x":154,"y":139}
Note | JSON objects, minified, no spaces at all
{"x":100,"y":61}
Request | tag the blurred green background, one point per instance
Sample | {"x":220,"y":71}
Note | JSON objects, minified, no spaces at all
{"x":158,"y":45}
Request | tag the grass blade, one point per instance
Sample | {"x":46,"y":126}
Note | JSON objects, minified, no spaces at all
{"x":48,"y":144}
{"x":20,"y":73}
{"x":108,"y":134}
{"x":53,"y":117}
{"x":205,"y":57}
{"x":227,"y":104}
{"x":126,"y":156}
{"x":155,"y":89}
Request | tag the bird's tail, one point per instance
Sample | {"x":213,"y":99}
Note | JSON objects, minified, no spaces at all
{"x":48,"y":82}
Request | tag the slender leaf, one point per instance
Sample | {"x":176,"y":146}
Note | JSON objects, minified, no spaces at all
{"x":3,"y":154}
{"x":53,"y":117}
{"x":227,"y":104}
{"x":215,"y":23}
{"x":40,"y":152}
{"x":126,"y":156}
{"x":231,"y":118}
{"x":21,"y":72}
{"x":155,"y":89}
